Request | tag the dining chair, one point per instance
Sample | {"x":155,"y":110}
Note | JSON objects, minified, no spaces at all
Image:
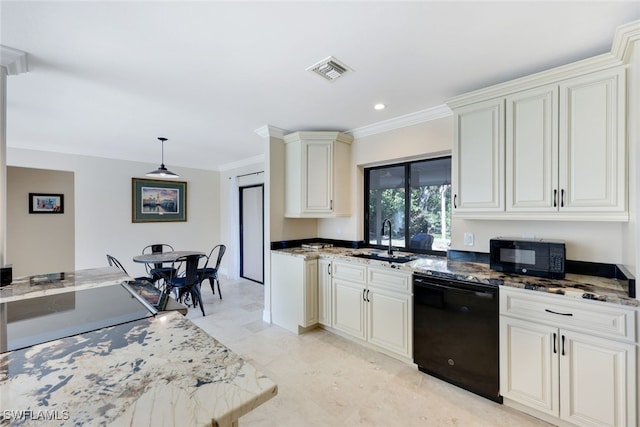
{"x":211,"y":273}
{"x":158,"y":271}
{"x":185,"y":281}
{"x":113,"y":262}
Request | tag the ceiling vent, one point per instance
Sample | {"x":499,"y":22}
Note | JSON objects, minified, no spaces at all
{"x":329,"y":68}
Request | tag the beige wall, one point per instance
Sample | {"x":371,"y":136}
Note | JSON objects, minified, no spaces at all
{"x":39,"y":243}
{"x":424,"y":140}
{"x":283,"y":228}
{"x":103,"y":208}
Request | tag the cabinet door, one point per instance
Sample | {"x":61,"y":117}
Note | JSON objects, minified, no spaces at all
{"x":287,"y":290}
{"x":318,"y":172}
{"x":532,"y":150}
{"x":529,"y":364}
{"x":324,"y":292}
{"x":478,"y":158}
{"x":389,"y":318}
{"x":348,"y":307}
{"x":592,"y":143}
{"x":596,"y":381}
{"x":310,"y":297}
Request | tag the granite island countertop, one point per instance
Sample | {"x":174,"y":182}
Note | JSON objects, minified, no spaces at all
{"x":154,"y":371}
{"x":573,"y":285}
{"x":57,"y":283}
{"x":161,"y":370}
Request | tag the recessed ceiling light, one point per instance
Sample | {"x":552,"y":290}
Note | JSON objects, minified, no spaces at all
{"x":379,"y":106}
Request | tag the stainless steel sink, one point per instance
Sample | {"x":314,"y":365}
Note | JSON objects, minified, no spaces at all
{"x":400,"y":259}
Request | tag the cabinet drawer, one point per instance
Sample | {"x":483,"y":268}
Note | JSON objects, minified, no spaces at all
{"x":389,"y":279}
{"x":595,"y":318}
{"x":355,"y":272}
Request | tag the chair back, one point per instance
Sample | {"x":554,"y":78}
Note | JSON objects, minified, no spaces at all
{"x":156,"y":248}
{"x":113,"y":262}
{"x":190,"y":271}
{"x":221,"y":250}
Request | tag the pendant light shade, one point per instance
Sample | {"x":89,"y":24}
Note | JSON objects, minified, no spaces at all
{"x":162,"y":171}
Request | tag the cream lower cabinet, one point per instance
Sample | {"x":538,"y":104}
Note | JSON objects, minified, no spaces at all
{"x":294,"y":291}
{"x":374,"y":304}
{"x":324,"y":291}
{"x":349,"y":307}
{"x":568,"y":360}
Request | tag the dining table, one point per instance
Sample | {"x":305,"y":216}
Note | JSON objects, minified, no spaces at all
{"x":165,"y":257}
{"x":191,"y":265}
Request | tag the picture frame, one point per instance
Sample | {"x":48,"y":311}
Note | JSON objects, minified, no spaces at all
{"x":46,"y":203}
{"x":158,"y":200}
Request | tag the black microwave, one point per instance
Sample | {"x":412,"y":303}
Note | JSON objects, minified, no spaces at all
{"x":534,"y":257}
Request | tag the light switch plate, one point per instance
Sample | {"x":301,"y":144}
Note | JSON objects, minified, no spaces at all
{"x":468,"y":239}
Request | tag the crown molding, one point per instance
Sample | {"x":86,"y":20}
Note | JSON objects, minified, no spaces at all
{"x":267,"y":131}
{"x":14,"y":60}
{"x":624,"y":37}
{"x":402,"y":121}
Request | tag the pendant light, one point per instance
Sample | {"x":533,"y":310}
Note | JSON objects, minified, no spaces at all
{"x":162,"y":171}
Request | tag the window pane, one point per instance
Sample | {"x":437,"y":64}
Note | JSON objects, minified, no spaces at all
{"x":430,"y":209}
{"x":387,"y":201}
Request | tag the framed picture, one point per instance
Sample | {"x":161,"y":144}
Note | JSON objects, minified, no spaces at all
{"x":158,"y":201}
{"x":46,"y":203}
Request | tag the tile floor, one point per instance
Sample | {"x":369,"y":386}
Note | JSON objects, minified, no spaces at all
{"x":327,"y":380}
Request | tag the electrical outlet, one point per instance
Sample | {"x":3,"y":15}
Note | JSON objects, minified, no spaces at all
{"x":468,"y":239}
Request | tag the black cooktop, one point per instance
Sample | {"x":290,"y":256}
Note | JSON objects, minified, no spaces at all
{"x":32,"y":321}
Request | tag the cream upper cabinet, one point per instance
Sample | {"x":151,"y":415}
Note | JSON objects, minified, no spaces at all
{"x":317,"y":179}
{"x":532,"y":150}
{"x":553,"y":151}
{"x":478,"y":158}
{"x":593,"y":144}
{"x":565,"y":149}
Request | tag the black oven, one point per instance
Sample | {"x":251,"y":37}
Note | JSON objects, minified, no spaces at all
{"x":534,"y":257}
{"x":455,"y":333}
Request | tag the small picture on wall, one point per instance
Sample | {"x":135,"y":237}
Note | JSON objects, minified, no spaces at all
{"x":46,"y":203}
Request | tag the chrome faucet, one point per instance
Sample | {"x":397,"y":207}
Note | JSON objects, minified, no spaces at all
{"x":385,"y":222}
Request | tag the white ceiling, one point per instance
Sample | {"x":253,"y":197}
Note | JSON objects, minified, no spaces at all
{"x":107,"y":78}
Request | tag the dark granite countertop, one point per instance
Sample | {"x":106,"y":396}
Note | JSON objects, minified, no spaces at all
{"x":573,"y":285}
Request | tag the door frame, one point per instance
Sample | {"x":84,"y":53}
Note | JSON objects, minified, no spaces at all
{"x":241,"y":229}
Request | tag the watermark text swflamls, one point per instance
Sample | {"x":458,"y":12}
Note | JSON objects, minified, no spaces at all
{"x":28,"y":414}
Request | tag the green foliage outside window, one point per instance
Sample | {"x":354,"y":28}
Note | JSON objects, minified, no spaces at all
{"x":426,"y":203}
